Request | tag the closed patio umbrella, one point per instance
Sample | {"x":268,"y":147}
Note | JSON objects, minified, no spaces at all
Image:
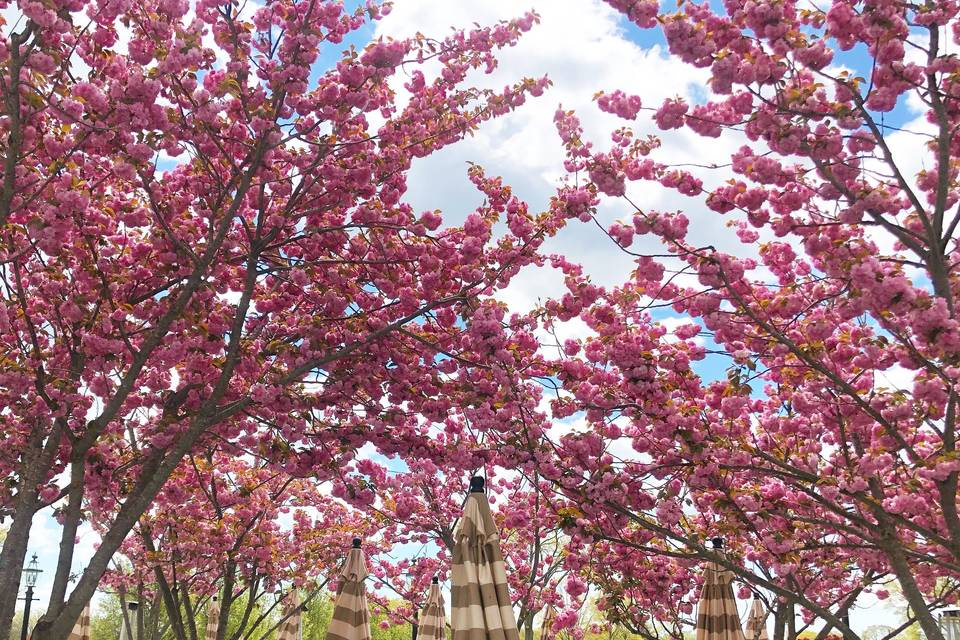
{"x":481,"y":608}
{"x":290,"y":627}
{"x":757,"y":621}
{"x":81,"y":630}
{"x":128,"y":623}
{"x":433,"y":618}
{"x":717,"y":616}
{"x":351,"y":618}
{"x":213,"y":619}
{"x":546,"y":627}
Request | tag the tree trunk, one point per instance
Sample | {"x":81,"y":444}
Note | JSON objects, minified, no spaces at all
{"x":71,"y":523}
{"x":226,"y":600}
{"x":911,"y":592}
{"x":15,"y":545}
{"x":11,"y":568}
{"x":253,"y":594}
{"x":779,"y":621}
{"x":153,"y":475}
{"x":170,"y":602}
{"x":192,"y":608}
{"x":140,"y":599}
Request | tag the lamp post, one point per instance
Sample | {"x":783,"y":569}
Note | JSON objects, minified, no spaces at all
{"x":950,"y":624}
{"x":414,"y":626}
{"x":31,"y":573}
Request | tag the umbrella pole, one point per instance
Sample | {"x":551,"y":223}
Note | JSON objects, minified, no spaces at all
{"x":414,"y":626}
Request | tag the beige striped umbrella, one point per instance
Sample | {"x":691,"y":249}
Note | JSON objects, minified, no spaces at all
{"x":757,"y":621}
{"x":290,"y":627}
{"x":81,"y":630}
{"x":128,"y":622}
{"x":717,"y":616}
{"x":351,"y":618}
{"x":213,"y":619}
{"x":481,"y":601}
{"x":433,"y":618}
{"x":546,"y":627}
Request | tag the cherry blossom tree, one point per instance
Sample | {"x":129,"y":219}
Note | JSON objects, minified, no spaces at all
{"x":202,"y":238}
{"x":420,"y":508}
{"x":224,"y":528}
{"x":830,"y":445}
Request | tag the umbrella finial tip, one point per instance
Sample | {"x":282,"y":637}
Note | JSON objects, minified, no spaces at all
{"x":356,"y":543}
{"x":436,"y":580}
{"x":717,"y":543}
{"x":476,"y":484}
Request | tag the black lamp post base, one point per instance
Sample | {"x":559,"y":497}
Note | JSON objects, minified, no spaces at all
{"x":26,"y":614}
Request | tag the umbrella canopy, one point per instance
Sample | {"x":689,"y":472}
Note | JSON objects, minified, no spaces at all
{"x":213,"y":620}
{"x":433,"y":618}
{"x":290,"y":628}
{"x":351,"y":618}
{"x":81,"y":630}
{"x":757,"y":621}
{"x":717,"y":616}
{"x":481,"y":601}
{"x":549,"y":616}
{"x":128,"y":623}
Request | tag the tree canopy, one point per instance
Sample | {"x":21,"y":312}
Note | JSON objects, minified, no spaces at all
{"x":229,"y":343}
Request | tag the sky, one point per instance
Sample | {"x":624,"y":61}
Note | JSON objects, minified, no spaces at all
{"x":584,"y":47}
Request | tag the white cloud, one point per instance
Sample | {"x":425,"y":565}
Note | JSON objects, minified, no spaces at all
{"x":573,"y":329}
{"x":896,"y":377}
{"x":583,"y":47}
{"x":672,"y":323}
